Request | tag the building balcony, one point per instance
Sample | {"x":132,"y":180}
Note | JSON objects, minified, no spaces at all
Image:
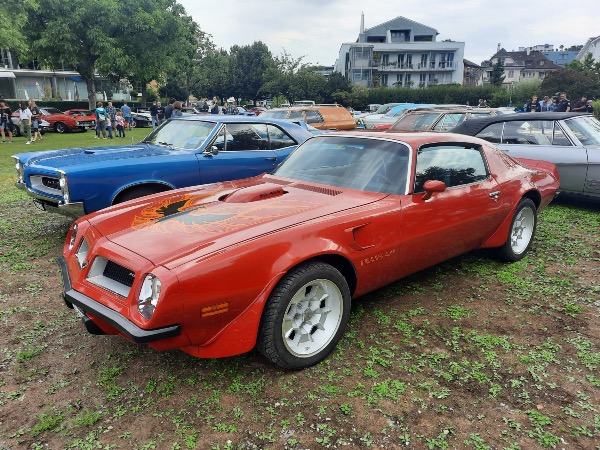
{"x":442,"y":66}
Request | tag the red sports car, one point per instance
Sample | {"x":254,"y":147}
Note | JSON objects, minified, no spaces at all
{"x":72,"y":119}
{"x":273,"y":261}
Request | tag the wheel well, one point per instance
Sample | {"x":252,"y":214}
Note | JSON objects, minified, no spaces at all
{"x":340,"y":263}
{"x":141,"y":189}
{"x":535,"y":197}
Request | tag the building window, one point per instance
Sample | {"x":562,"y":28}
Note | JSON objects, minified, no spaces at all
{"x":511,"y":74}
{"x":384,"y":80}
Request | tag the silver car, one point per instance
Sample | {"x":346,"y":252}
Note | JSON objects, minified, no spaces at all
{"x":569,"y":140}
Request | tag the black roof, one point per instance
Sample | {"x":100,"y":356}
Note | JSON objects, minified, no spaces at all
{"x":473,"y":126}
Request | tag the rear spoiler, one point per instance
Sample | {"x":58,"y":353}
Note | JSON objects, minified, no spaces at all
{"x":537,"y":164}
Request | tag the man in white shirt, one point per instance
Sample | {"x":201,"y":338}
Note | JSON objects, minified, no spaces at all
{"x":26,"y":122}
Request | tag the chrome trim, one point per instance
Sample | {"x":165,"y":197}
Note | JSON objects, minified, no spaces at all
{"x":96,"y":276}
{"x":36,"y":183}
{"x":73,"y":209}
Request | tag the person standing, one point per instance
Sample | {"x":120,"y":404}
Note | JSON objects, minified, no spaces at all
{"x":35,"y":120}
{"x":160,"y":113}
{"x":214,"y":106}
{"x":231,"y":109}
{"x":26,"y":123}
{"x":126,"y":110}
{"x":564,"y":105}
{"x":177,"y":109}
{"x":112,"y":114}
{"x":101,"y":120}
{"x":120,"y":121}
{"x":169,"y":109}
{"x":153,"y":112}
{"x":5,"y":121}
{"x":581,"y":105}
{"x":589,"y":108}
{"x":545,"y":104}
{"x":533,"y":105}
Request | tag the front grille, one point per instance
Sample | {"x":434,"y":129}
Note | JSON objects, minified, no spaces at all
{"x":84,"y":123}
{"x":119,"y":274}
{"x":51,"y":183}
{"x":111,"y":276}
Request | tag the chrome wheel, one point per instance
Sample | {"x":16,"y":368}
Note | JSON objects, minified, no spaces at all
{"x":522,"y":230}
{"x":312,"y":318}
{"x":305,"y":316}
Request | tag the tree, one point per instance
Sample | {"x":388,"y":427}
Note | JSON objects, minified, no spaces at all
{"x":497,"y":76}
{"x":249,"y":67}
{"x":213,"y":74}
{"x":588,"y":65}
{"x":13,"y":19}
{"x":86,"y":43}
{"x":156,"y":36}
{"x":576,"y":84}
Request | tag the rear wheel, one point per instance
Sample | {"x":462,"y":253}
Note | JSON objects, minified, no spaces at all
{"x":521,"y":233}
{"x":305,"y":316}
{"x":134,"y":123}
{"x":16,"y":131}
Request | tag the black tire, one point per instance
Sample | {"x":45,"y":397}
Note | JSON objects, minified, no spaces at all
{"x":60,"y":127}
{"x":16,"y":131}
{"x":521,"y":232}
{"x":134,"y":123}
{"x":305,"y":316}
{"x":136,"y":192}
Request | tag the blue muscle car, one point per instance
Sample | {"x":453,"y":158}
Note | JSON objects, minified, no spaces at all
{"x":185,"y":151}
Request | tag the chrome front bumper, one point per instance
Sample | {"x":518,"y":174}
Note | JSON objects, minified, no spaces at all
{"x":51,"y":204}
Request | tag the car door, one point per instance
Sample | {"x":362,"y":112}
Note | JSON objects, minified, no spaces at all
{"x":546,"y":140}
{"x":457,"y":220}
{"x":239,"y":150}
{"x":585,"y":131}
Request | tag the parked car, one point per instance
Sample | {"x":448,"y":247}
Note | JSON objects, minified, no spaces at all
{"x":321,"y":117}
{"x":141,"y":118}
{"x":426,"y":119}
{"x":63,"y":122}
{"x":244,"y":112}
{"x":273,"y":261}
{"x":569,"y":140}
{"x":371,"y":120}
{"x":185,"y":151}
{"x":382,"y":109}
{"x":16,"y":128}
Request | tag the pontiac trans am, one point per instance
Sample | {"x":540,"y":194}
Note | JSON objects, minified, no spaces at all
{"x":272,"y":262}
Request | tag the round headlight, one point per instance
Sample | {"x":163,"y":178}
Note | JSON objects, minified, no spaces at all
{"x":149,"y":295}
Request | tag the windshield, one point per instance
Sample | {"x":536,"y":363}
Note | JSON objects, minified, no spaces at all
{"x":365,"y":164}
{"x":586,"y":129}
{"x":182,"y":134}
{"x":415,"y":122}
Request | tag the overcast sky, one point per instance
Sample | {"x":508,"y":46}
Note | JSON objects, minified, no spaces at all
{"x":316,"y":29}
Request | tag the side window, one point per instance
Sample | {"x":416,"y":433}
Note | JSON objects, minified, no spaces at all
{"x":313,"y":117}
{"x":454,"y":164}
{"x":559,"y":137}
{"x":449,"y":121}
{"x":492,"y":133}
{"x":279,"y":138}
{"x":296,"y":115}
{"x":527,"y":132}
{"x":246,"y":136}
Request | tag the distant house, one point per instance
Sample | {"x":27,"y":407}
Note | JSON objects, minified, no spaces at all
{"x":591,"y":46}
{"x":400,"y":52}
{"x":520,"y":66}
{"x":473,"y":74}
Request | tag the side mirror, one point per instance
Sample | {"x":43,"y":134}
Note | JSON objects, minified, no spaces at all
{"x":432,"y":186}
{"x":211,"y":151}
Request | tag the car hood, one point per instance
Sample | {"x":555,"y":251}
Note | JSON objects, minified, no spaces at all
{"x":61,"y":159}
{"x":172,"y":228}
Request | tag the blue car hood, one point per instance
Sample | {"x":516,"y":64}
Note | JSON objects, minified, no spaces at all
{"x":60,"y":159}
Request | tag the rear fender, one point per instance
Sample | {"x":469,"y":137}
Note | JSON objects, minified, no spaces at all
{"x":544,"y":166}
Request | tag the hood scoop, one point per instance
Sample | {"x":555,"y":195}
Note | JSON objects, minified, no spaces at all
{"x":254,"y":193}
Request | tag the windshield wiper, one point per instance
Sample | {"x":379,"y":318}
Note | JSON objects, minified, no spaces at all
{"x":166,"y":144}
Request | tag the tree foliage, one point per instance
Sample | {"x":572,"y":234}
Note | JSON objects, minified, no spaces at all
{"x":497,"y":76}
{"x":13,"y":18}
{"x":576,"y":84}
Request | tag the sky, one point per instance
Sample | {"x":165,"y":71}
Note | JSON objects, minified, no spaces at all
{"x":315,"y":29}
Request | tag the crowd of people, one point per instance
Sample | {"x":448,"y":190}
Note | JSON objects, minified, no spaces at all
{"x":28,"y":115}
{"x":558,"y":103}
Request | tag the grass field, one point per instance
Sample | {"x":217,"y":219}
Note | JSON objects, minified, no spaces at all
{"x":470,"y":354}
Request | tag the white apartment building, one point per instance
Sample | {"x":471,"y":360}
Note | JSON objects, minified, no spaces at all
{"x":401,"y":52}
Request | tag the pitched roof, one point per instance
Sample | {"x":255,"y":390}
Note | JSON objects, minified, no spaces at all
{"x":533,"y":59}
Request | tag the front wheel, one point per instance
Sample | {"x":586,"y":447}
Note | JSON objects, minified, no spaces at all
{"x":60,"y":127}
{"x":521,"y":233}
{"x":134,"y":123}
{"x":305,"y":316}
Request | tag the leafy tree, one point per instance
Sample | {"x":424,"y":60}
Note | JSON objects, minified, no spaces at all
{"x":69,"y":32}
{"x":576,"y":84}
{"x":212,"y":74}
{"x":13,"y":19}
{"x":249,"y":67}
{"x":156,"y":35}
{"x":588,"y":65}
{"x":497,"y":76}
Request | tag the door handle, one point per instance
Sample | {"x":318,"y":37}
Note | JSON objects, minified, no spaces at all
{"x":271,"y":158}
{"x":494,"y":195}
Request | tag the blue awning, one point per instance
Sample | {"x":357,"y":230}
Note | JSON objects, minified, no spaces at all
{"x":76,"y":79}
